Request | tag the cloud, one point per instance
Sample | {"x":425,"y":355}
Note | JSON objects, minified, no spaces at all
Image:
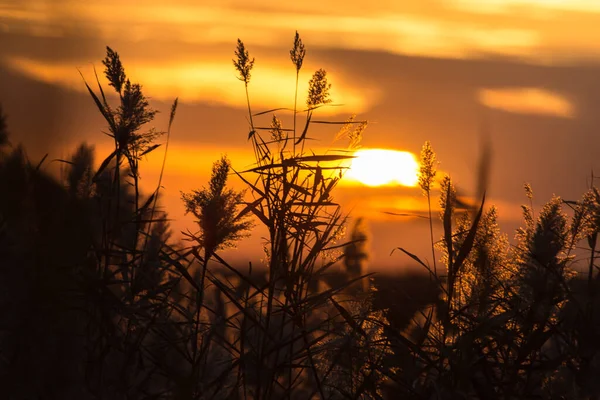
{"x":520,"y":29}
{"x":272,"y":85}
{"x":529,"y":100}
{"x":544,"y":8}
{"x":393,"y":29}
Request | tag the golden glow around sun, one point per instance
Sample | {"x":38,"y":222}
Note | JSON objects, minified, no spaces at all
{"x":378,"y":167}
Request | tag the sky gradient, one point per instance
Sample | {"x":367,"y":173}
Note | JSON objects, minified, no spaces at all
{"x":526,"y":72}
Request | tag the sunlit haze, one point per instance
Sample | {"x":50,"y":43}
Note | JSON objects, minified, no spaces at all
{"x":309,"y":199}
{"x":521,"y":74}
{"x":377,"y":167}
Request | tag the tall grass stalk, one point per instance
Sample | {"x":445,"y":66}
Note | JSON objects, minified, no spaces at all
{"x":292,"y":197}
{"x":427,"y":174}
{"x":297,"y":54}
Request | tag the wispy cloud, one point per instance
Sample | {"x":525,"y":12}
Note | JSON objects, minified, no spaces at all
{"x":539,"y":31}
{"x":391,"y":29}
{"x":527,"y":101}
{"x":209,"y":82}
{"x":539,"y":7}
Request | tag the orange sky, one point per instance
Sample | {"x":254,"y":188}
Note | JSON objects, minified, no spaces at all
{"x":417,"y":70}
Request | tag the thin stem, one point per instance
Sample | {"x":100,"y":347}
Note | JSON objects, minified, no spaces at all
{"x":295,"y":109}
{"x":308,"y":117}
{"x":134,"y":167}
{"x":431,"y":234}
{"x":254,"y":142}
{"x":199,"y":304}
{"x":249,"y":110}
{"x":160,"y":178}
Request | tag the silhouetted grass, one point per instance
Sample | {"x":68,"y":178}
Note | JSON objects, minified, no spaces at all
{"x":99,"y":302}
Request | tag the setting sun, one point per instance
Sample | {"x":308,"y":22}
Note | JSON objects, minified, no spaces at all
{"x":377,"y":167}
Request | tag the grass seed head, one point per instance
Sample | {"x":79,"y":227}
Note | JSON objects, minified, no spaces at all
{"x":243,"y":64}
{"x":318,"y":89}
{"x":297,"y":52}
{"x":276,"y":129}
{"x":446,"y":187}
{"x":216,"y":210}
{"x":115,"y":73}
{"x":427,"y":169}
{"x":528,"y":190}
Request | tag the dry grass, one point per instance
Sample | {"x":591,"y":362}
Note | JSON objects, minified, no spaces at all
{"x":108,"y":306}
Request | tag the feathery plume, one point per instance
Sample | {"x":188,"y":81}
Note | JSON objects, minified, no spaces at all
{"x":276,"y":129}
{"x":243,"y":64}
{"x":297,"y":52}
{"x":115,"y":73}
{"x":318,"y":89}
{"x":215,"y":208}
{"x":427,"y":170}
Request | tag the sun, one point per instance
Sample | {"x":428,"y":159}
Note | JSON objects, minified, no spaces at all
{"x":379,"y":167}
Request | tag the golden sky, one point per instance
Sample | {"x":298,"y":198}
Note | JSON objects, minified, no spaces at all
{"x":434,"y":70}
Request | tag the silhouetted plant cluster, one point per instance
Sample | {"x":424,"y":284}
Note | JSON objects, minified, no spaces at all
{"x":99,"y":302}
{"x":512,"y":321}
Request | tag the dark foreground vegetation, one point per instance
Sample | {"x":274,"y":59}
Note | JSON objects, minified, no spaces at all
{"x":98,"y":302}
